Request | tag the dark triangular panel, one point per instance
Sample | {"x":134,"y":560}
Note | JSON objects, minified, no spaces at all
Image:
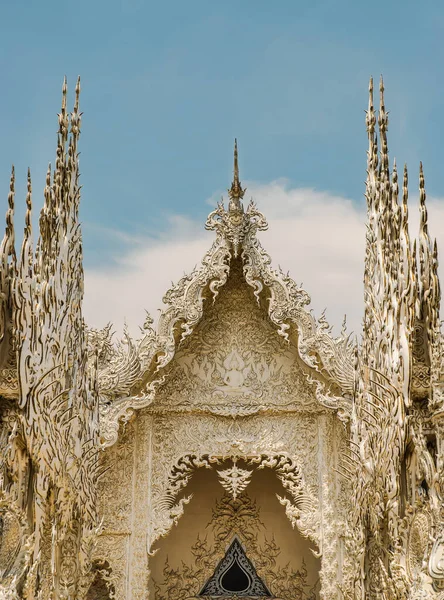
{"x":235,"y":575}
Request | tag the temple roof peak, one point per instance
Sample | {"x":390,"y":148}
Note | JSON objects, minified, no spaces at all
{"x":236,"y":192}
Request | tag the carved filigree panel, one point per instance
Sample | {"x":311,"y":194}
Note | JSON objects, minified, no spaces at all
{"x":115,"y":509}
{"x":181,"y":444}
{"x":235,"y":363}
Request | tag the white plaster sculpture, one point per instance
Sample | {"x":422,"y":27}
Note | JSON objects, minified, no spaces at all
{"x":98,"y":442}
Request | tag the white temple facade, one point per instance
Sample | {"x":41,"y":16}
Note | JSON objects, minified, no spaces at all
{"x":237,"y":449}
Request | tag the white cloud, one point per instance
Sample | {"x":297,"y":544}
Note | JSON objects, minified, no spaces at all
{"x":316,"y":236}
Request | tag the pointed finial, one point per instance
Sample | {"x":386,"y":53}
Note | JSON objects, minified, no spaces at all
{"x":381,"y":92}
{"x":383,"y":127}
{"x":63,"y":117}
{"x":395,"y":172}
{"x":236,"y":193}
{"x":76,"y":116}
{"x":405,"y":187}
{"x":11,"y":194}
{"x":28,"y":203}
{"x":435,"y":251}
{"x":7,"y":247}
{"x":422,"y":203}
{"x":64,"y":92}
{"x":370,"y":119}
{"x":76,"y":104}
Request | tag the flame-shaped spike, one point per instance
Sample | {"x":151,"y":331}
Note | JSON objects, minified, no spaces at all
{"x":372,"y":153}
{"x":405,"y":189}
{"x":63,"y":115}
{"x":395,"y":186}
{"x":26,"y":257}
{"x":422,"y":201}
{"x":10,"y":212}
{"x":383,"y":127}
{"x":370,"y":118}
{"x":75,"y":117}
{"x":7,"y":257}
{"x":404,"y":229}
{"x":28,"y":214}
{"x":7,"y":246}
{"x":76,"y":103}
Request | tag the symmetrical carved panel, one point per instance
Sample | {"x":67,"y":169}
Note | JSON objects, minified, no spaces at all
{"x":181,"y":445}
{"x":234,"y":363}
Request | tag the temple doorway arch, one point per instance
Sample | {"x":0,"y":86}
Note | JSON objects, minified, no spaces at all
{"x":215,"y":518}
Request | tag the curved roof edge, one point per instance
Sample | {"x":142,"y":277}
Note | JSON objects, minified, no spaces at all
{"x":130,"y":375}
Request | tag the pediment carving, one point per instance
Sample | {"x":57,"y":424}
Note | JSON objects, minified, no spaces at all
{"x":235,"y":363}
{"x":137,"y":368}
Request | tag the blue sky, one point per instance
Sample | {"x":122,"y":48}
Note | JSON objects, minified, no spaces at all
{"x":166,"y":86}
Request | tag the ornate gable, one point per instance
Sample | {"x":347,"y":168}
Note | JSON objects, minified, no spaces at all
{"x":234,"y":363}
{"x":136,"y":370}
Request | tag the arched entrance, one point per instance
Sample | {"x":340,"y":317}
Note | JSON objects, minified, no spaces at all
{"x":249,"y":531}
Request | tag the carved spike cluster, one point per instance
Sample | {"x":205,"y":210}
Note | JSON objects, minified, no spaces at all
{"x":388,"y":277}
{"x":428,"y":283}
{"x":400,"y":301}
{"x":8,"y":260}
{"x":51,"y":463}
{"x":51,"y":400}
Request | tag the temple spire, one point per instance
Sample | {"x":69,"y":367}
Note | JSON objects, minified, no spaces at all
{"x":7,"y":247}
{"x":236,"y":193}
{"x":383,"y":126}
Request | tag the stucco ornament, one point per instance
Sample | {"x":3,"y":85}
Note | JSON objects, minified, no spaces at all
{"x":234,"y":479}
{"x":235,"y":519}
{"x":138,"y":369}
{"x":99,"y":440}
{"x":49,"y":434}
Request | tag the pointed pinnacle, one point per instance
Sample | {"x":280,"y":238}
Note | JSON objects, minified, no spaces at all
{"x":370,"y":117}
{"x":10,"y":211}
{"x":236,"y":164}
{"x":76,"y":103}
{"x":405,"y":196}
{"x":423,"y":229}
{"x":422,"y":193}
{"x":12,"y":187}
{"x":382,"y":119}
{"x":28,"y":202}
{"x":381,"y":90}
{"x":236,"y":192}
{"x":405,"y":185}
{"x":64,"y":92}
